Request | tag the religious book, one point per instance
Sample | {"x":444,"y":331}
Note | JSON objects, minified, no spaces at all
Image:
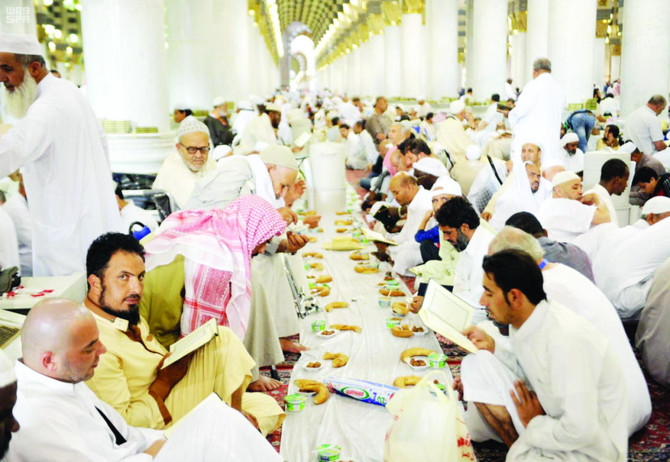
{"x":211,"y":398}
{"x":447,"y":314}
{"x":196,"y":339}
{"x":377,"y":237}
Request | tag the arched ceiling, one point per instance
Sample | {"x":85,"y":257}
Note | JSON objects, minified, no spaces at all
{"x":315,"y":14}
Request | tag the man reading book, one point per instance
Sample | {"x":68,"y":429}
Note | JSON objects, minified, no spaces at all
{"x":130,"y":377}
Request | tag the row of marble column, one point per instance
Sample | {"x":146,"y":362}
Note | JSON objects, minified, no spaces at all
{"x":414,"y":59}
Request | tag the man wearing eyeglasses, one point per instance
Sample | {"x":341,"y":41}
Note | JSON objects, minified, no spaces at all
{"x":191,"y":162}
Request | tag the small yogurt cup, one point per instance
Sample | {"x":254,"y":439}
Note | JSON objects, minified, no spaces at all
{"x":384,"y":301}
{"x":318,"y":325}
{"x":328,"y":453}
{"x":295,"y":402}
{"x":391,"y":322}
{"x":437,"y":360}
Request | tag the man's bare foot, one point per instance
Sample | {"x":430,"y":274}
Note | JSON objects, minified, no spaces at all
{"x":264,"y":384}
{"x":289,"y":346}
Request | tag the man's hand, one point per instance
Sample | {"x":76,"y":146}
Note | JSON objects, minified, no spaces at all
{"x":526,"y":402}
{"x":294,"y":192}
{"x":590,"y":199}
{"x":251,"y":419}
{"x":486,"y":216}
{"x":312,"y":220}
{"x":288,"y":215}
{"x":170,"y":376}
{"x":427,"y":217}
{"x":295,"y":242}
{"x":481,"y":339}
{"x":458,"y":386}
{"x":415,"y":306}
{"x":155,"y":448}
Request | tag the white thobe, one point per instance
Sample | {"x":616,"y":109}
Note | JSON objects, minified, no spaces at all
{"x":422,"y":110}
{"x":604,"y":196}
{"x":356,"y":158}
{"x":575,"y":291}
{"x":242,"y":119}
{"x":349,"y":113}
{"x":408,"y":253}
{"x":62,"y":150}
{"x":469,"y":272}
{"x":59,"y":421}
{"x":644,"y":128}
{"x":519,"y":198}
{"x":369,"y":147}
{"x":537,"y":116}
{"x":178,"y":179}
{"x":565,"y":219}
{"x":572,"y":162}
{"x":132,"y":213}
{"x":17,"y":208}
{"x":608,"y":106}
{"x":577,"y":378}
{"x":9,"y":244}
{"x":258,"y":130}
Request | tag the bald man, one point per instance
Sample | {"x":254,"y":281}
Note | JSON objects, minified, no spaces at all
{"x":64,"y":420}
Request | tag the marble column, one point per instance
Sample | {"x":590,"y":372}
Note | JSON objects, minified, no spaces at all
{"x":599,"y":62}
{"x":376,"y":65}
{"x":518,"y":61}
{"x":354,"y":83}
{"x":413,"y":46}
{"x":469,"y":44}
{"x":126,"y":75}
{"x":442,"y":48}
{"x":190,"y":37}
{"x":393,"y":63}
{"x":489,"y":48}
{"x":233,"y":64}
{"x":537,"y":33}
{"x":645,"y":52}
{"x":572,"y":32}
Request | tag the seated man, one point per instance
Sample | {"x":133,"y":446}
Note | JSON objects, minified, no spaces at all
{"x":462,"y":228}
{"x":566,"y":286}
{"x":568,"y":214}
{"x":217,"y":123}
{"x":571,"y":157}
{"x":353,"y":148}
{"x":577,"y":409}
{"x":613,"y":182}
{"x":130,"y":377}
{"x":651,"y":182}
{"x":611,"y":140}
{"x":653,"y":332}
{"x":555,"y":252}
{"x":131,"y":214}
{"x":61,"y":419}
{"x":191,"y":162}
{"x":8,"y":423}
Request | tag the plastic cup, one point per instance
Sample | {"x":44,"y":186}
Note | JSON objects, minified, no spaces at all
{"x":392,"y":322}
{"x":318,"y":325}
{"x":328,"y":452}
{"x":295,"y":402}
{"x":384,"y":302}
{"x":437,"y":360}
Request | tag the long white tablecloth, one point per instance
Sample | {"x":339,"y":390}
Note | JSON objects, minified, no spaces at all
{"x":358,"y":428}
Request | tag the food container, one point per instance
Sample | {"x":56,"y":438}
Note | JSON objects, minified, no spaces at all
{"x":318,"y":325}
{"x":328,"y":453}
{"x":295,"y":402}
{"x":361,"y":390}
{"x":392,"y":322}
{"x":437,"y":360}
{"x":384,"y":301}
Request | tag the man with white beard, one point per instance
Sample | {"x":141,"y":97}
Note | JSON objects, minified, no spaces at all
{"x":62,"y":151}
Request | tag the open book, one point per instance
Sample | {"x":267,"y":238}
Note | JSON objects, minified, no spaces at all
{"x":377,"y":237}
{"x":447,"y":314}
{"x":184,"y":346}
{"x":211,"y":398}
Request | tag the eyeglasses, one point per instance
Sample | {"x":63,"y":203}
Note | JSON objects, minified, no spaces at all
{"x":193,"y":149}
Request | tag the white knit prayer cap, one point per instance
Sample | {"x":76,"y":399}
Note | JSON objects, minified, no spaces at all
{"x":431,"y":166}
{"x":570,"y":137}
{"x":564,"y":177}
{"x":191,"y":125}
{"x":446,"y":185}
{"x":656,"y":205}
{"x":20,"y":44}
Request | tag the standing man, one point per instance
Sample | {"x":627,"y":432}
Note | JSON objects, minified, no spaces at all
{"x":538,"y":112}
{"x":62,"y":151}
{"x":644,"y":128}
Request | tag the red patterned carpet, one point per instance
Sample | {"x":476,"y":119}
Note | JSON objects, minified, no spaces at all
{"x":652,"y":443}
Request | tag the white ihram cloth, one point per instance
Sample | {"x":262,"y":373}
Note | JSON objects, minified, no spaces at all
{"x":573,"y":290}
{"x":624,"y":267}
{"x":407,"y":254}
{"x":17,"y":208}
{"x":178,"y":179}
{"x":258,"y":130}
{"x":9,"y":244}
{"x":607,"y":199}
{"x":469,"y":272}
{"x":242,"y":119}
{"x":538,"y":115}
{"x":565,"y":219}
{"x":59,"y":421}
{"x":572,"y":162}
{"x":577,"y":378}
{"x":62,"y":150}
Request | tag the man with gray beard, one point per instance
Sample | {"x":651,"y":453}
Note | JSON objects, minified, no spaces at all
{"x":61,"y":149}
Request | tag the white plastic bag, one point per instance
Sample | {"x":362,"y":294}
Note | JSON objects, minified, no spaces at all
{"x":425,"y":426}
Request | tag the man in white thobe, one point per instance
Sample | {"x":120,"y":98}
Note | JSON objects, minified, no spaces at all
{"x":61,"y":149}
{"x":613,"y":182}
{"x":644,"y":128}
{"x":62,"y":419}
{"x":538,"y":112}
{"x":355,"y":155}
{"x":577,"y":407}
{"x":576,"y":292}
{"x":471,"y":236}
{"x":17,"y":208}
{"x":244,"y":113}
{"x":180,"y":170}
{"x":568,"y":214}
{"x":260,"y":132}
{"x":9,"y":244}
{"x":570,"y":156}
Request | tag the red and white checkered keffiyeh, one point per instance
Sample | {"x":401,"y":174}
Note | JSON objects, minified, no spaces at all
{"x":217,"y":245}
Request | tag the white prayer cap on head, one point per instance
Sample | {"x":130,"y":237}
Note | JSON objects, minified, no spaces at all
{"x":628,"y":147}
{"x":280,"y":156}
{"x":570,"y":137}
{"x":473,"y":152}
{"x":658,"y":204}
{"x":7,"y":374}
{"x":272,"y":107}
{"x":375,"y":208}
{"x":431,"y":166}
{"x":191,"y":125}
{"x":218,"y":101}
{"x":180,"y":106}
{"x":564,"y":177}
{"x":446,"y":185}
{"x":20,"y":44}
{"x":457,"y":106}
